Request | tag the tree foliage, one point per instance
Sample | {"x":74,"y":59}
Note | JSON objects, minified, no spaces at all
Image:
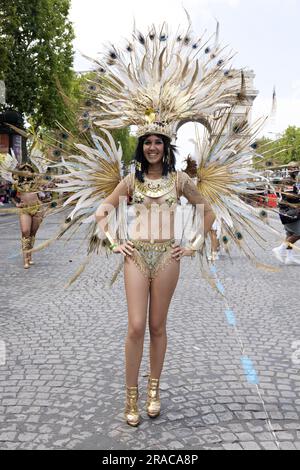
{"x":283,"y":150}
{"x":128,"y":143}
{"x":37,"y":55}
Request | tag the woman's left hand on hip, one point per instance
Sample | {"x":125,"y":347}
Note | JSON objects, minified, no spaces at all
{"x":179,"y":252}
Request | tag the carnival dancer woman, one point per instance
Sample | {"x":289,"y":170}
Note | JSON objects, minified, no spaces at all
{"x":152,"y":261}
{"x":158,"y":82}
{"x":30,"y":211}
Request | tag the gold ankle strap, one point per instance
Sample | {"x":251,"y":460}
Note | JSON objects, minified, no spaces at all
{"x":153,"y":382}
{"x":26,"y":242}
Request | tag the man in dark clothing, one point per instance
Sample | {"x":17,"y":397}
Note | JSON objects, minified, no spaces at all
{"x":289,"y":212}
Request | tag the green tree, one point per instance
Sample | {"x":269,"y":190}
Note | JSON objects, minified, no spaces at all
{"x":37,"y":55}
{"x":281,"y":151}
{"x":128,"y":143}
{"x":291,"y":142}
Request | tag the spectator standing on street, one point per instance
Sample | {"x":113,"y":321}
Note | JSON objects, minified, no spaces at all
{"x":289,"y":208}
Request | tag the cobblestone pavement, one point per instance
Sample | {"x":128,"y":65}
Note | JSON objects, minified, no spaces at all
{"x":62,"y":384}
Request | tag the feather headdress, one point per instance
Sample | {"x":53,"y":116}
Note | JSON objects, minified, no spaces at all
{"x":8,"y":163}
{"x":160,"y":81}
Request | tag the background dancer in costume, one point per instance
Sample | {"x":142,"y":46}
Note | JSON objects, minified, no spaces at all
{"x":27,"y":184}
{"x":30,"y":208}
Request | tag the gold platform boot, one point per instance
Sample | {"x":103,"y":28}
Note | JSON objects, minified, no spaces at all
{"x":26,"y":241}
{"x":32,"y":240}
{"x":132,"y":414}
{"x":153,"y":401}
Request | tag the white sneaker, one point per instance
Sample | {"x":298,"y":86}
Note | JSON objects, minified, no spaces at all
{"x":291,"y":259}
{"x":214,"y":256}
{"x":280,"y":253}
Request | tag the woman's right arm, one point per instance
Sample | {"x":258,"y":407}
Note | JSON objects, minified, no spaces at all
{"x":16,"y":199}
{"x":104,"y":210}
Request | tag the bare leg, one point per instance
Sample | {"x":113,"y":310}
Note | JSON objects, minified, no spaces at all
{"x":36,"y":222}
{"x":25,"y":225}
{"x":162,"y":289}
{"x":137,"y":293}
{"x":292,"y":239}
{"x":214,"y":241}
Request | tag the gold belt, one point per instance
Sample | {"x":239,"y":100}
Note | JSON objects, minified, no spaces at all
{"x":152,"y":246}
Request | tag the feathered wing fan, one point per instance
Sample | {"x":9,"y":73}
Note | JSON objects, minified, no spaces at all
{"x":90,"y":176}
{"x":86,"y":179}
{"x":8,"y":164}
{"x":226,"y":178}
{"x":160,"y":80}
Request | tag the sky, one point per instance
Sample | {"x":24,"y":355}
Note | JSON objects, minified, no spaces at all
{"x":265,"y":34}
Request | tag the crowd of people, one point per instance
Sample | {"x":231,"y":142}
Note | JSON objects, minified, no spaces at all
{"x":6,"y":191}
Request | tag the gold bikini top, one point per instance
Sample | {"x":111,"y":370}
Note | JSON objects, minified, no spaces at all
{"x":165,"y":190}
{"x":160,"y":191}
{"x":31,"y":186}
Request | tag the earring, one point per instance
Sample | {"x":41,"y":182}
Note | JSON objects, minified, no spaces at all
{"x":168,"y":158}
{"x":138,"y":166}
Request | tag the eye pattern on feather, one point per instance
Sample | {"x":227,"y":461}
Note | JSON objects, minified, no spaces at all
{"x":86,"y":126}
{"x":141,"y":39}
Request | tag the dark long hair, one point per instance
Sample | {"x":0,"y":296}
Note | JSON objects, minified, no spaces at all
{"x":27,"y":169}
{"x":142,"y":164}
